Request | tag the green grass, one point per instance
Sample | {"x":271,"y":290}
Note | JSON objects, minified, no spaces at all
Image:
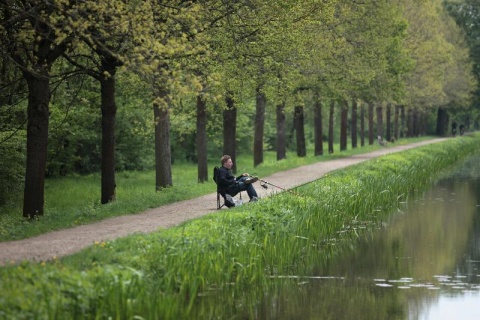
{"x":162,"y":274}
{"x":75,"y":200}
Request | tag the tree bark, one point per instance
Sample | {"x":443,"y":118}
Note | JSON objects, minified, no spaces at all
{"x":416,"y":122}
{"x":403,"y":121}
{"x":379,"y":110}
{"x":259,"y":127}
{"x":354,"y":123}
{"x":388,"y":135}
{"x":331,"y":124}
{"x":163,"y":153}
{"x":409,"y":123}
{"x":343,"y":125}
{"x":396,"y":122}
{"x":362,"y":125}
{"x":37,"y":139}
{"x":442,"y":120}
{"x":370,"y":123}
{"x":230,"y":130}
{"x":109,"y":111}
{"x":202,"y":139}
{"x":281,"y":132}
{"x":300,"y":132}
{"x":318,"y":126}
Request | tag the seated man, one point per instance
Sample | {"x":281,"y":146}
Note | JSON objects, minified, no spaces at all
{"x":229,"y":185}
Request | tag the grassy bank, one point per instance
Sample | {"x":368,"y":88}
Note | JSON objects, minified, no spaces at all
{"x":73,"y":201}
{"x":163,"y":274}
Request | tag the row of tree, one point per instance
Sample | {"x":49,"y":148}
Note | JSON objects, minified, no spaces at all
{"x":399,"y":55}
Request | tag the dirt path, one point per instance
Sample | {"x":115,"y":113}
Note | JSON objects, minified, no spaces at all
{"x":64,"y":242}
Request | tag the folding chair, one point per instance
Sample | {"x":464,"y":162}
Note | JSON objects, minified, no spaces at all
{"x":220,"y":193}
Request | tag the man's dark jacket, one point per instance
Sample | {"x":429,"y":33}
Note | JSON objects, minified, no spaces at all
{"x":225,"y":180}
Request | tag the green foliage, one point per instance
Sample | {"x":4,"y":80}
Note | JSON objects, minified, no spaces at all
{"x":161,"y":275}
{"x":12,"y":166}
{"x":75,"y":133}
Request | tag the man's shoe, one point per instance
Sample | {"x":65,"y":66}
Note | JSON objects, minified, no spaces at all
{"x":251,"y":180}
{"x":254,"y":199}
{"x":229,"y":202}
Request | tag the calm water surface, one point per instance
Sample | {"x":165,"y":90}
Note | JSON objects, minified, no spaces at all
{"x":423,"y":264}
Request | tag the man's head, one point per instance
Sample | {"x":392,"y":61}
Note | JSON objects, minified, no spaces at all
{"x":227,"y":161}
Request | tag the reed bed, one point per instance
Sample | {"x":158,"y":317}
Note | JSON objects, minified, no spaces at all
{"x":165,"y":275}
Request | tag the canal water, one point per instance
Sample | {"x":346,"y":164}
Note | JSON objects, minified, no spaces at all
{"x":423,"y":263}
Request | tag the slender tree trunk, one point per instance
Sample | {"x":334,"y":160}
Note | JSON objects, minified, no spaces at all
{"x":410,"y":123}
{"x":442,"y":121}
{"x":354,"y":123}
{"x":416,"y":123}
{"x":300,"y":132}
{"x":403,"y":120}
{"x":331,"y":124}
{"x":230,"y":130}
{"x":343,"y":125}
{"x":396,"y":121}
{"x":37,"y":139}
{"x":388,"y":135}
{"x":259,"y":127}
{"x":370,"y":123}
{"x":163,"y":153}
{"x":362,"y":125}
{"x":379,"y":110}
{"x":318,"y":126}
{"x":281,"y":132}
{"x":109,"y":111}
{"x":202,"y":139}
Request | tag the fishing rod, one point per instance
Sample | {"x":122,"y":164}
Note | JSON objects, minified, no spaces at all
{"x":264,"y":183}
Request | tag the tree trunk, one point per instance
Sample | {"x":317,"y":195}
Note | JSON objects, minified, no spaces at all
{"x":379,"y":110}
{"x":163,"y":153}
{"x":370,"y":123}
{"x":388,"y":135}
{"x":259,"y":127}
{"x":331,"y":124}
{"x":409,"y":123}
{"x":300,"y":132}
{"x":362,"y":125}
{"x":109,"y":111}
{"x":37,"y":139}
{"x":402,"y":117}
{"x":416,"y":123}
{"x":343,"y":125}
{"x":281,"y":133}
{"x":442,"y":120}
{"x":354,"y":123}
{"x":396,"y":122}
{"x":202,"y":139}
{"x":230,"y":130}
{"x":318,"y":126}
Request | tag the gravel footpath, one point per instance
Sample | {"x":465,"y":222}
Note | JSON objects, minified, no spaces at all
{"x":64,"y":242}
